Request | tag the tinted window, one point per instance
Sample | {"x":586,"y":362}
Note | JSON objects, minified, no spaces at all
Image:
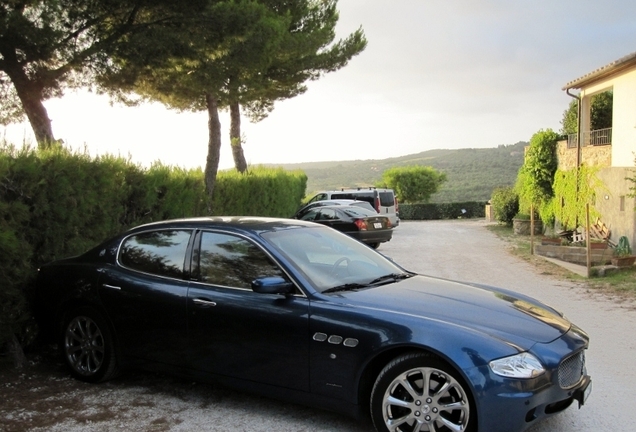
{"x":160,"y":253}
{"x":387,"y":199}
{"x":232,"y":261}
{"x":357,"y":212}
{"x":363,"y":196}
{"x":327,"y":214}
{"x":310,"y":215}
{"x":319,"y":197}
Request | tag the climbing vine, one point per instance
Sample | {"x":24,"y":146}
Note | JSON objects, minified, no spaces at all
{"x":573,"y":189}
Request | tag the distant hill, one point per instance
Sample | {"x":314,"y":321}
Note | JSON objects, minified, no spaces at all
{"x":472,"y":174}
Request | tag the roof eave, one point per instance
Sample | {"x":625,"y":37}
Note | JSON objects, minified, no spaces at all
{"x":627,"y":62}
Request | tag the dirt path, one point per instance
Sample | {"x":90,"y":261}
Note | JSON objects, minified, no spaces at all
{"x":466,"y":250}
{"x":46,"y":399}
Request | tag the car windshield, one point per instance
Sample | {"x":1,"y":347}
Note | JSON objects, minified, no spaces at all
{"x":333,"y":261}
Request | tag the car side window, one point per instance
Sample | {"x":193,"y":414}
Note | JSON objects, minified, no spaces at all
{"x":327,"y":214}
{"x":160,"y":253}
{"x":318,"y":197}
{"x":232,"y":261}
{"x":310,"y":215}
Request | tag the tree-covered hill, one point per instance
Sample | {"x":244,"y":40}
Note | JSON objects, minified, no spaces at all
{"x":472,"y":173}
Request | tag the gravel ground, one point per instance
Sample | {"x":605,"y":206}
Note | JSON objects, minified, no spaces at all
{"x":44,"y":398}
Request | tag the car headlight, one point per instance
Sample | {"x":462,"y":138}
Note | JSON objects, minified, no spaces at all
{"x":523,"y":365}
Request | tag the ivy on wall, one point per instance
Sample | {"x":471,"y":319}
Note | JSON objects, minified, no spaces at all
{"x":573,"y":190}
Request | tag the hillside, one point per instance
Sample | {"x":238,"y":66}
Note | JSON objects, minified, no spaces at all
{"x":472,"y":174}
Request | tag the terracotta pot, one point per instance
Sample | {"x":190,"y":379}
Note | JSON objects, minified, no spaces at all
{"x":598,"y":245}
{"x":627,"y":261}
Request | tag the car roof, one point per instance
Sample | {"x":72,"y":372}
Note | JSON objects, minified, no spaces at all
{"x":235,"y":223}
{"x":338,"y":201}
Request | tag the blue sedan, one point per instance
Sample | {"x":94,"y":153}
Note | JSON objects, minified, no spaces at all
{"x":301,"y":312}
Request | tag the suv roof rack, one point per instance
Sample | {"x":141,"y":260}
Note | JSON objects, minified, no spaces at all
{"x":358,"y":188}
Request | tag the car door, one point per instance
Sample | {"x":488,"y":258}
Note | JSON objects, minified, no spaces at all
{"x":145,"y":294}
{"x":236,"y":332}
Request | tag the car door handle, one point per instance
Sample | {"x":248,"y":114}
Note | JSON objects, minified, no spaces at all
{"x":111,"y":287}
{"x":203,"y":302}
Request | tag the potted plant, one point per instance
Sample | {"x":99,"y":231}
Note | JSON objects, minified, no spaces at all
{"x":623,"y":254}
{"x":598,"y":244}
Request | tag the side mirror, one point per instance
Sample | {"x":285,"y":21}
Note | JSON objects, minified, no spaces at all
{"x":272,"y":285}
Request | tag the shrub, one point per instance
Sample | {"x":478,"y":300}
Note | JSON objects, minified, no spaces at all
{"x":55,"y":203}
{"x":536,"y":175}
{"x":505,"y":204}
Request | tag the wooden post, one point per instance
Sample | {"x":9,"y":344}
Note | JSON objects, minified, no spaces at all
{"x":531,"y":229}
{"x":588,"y":243}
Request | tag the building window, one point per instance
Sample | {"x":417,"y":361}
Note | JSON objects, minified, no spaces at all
{"x":622,"y":203}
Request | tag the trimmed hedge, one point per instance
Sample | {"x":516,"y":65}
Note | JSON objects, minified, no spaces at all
{"x":473,"y":209}
{"x":261,"y":191}
{"x":56,"y":203}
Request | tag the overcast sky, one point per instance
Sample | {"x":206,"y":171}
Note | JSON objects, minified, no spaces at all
{"x":435,"y":74}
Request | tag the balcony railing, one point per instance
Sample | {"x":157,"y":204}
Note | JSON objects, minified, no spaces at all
{"x":599,"y":137}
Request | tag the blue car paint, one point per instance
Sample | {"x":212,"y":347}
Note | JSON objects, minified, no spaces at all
{"x":466,"y":325}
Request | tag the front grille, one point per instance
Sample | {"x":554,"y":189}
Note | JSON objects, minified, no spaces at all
{"x":571,"y":370}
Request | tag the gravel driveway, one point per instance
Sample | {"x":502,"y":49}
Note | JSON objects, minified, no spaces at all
{"x":46,"y":399}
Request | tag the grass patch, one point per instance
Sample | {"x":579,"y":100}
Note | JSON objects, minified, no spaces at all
{"x":621,"y":283}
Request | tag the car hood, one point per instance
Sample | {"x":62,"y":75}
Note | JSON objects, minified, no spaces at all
{"x":500,"y":313}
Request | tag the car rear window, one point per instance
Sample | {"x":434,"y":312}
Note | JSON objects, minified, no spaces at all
{"x":357,"y":212}
{"x":387,"y":199}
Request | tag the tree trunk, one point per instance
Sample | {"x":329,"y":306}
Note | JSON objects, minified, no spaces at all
{"x":235,"y":138}
{"x":31,"y":96}
{"x":214,"y":146}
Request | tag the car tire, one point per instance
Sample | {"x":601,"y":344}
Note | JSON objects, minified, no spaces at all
{"x":375,"y":245}
{"x":88,"y":346}
{"x":400,"y":403}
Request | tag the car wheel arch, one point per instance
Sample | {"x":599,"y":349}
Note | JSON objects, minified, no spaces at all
{"x":66,"y":310}
{"x":424,"y":359}
{"x":95,"y":315}
{"x":375,"y":365}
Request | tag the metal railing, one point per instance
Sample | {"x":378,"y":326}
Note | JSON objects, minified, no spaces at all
{"x":599,"y":137}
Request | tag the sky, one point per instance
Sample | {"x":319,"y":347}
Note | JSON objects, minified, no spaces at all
{"x":436,"y":74}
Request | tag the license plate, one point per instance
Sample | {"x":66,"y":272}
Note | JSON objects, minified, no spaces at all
{"x":582,"y":395}
{"x":587,"y":392}
{"x":377,"y":224}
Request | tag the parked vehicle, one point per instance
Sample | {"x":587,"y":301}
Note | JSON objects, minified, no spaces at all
{"x":304,"y":313}
{"x":304,"y":209}
{"x":383,"y":201}
{"x":360,"y":223}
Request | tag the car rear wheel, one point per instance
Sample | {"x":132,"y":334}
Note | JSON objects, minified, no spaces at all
{"x":419,"y":392}
{"x":88,"y":347}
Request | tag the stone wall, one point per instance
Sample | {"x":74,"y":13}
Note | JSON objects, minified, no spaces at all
{"x":600,"y":156}
{"x":574,"y":254}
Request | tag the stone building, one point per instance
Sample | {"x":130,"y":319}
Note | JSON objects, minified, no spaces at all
{"x":613,"y":149}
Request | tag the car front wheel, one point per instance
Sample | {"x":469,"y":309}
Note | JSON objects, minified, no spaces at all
{"x":88,"y":346}
{"x":419,"y":392}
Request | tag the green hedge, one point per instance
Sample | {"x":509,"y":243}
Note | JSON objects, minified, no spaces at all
{"x":56,"y":204}
{"x":261,"y":191}
{"x":432,"y":211}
